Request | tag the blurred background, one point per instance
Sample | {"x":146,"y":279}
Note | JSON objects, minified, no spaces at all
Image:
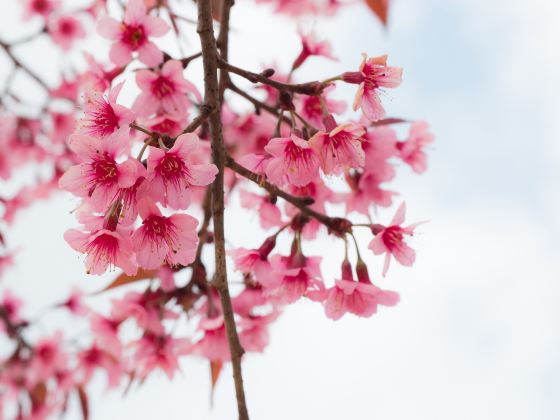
{"x":476,"y":333}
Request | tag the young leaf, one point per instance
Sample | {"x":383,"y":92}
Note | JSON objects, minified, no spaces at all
{"x":380,"y":8}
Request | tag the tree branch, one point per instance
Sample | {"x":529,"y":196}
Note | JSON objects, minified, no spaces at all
{"x":335,"y":224}
{"x":7,"y":48}
{"x":309,"y":88}
{"x":211,"y":100}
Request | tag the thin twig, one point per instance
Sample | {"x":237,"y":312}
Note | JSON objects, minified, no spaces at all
{"x":310,"y":88}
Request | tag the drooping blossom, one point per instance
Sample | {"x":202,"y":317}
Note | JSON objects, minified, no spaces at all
{"x":373,"y":75}
{"x":170,"y":173}
{"x":412,"y":151}
{"x":161,"y":239}
{"x":158,"y":352}
{"x":144,"y":309}
{"x":213,"y":345}
{"x":10,"y":305}
{"x":293,"y":161}
{"x":106,"y":333}
{"x":256,"y":261}
{"x":65,"y":31}
{"x":253,"y":331}
{"x":360,"y":297}
{"x":164,"y":90}
{"x":103,"y":116}
{"x":311,"y":46}
{"x":340,"y":147}
{"x":390,"y":240}
{"x":294,"y":276}
{"x":269,"y":214}
{"x":133,"y":35}
{"x":95,"y":358}
{"x":99,"y":176}
{"x":104,"y":248}
{"x":48,"y":359}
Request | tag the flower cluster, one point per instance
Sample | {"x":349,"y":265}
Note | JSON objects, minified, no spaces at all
{"x":146,"y":157}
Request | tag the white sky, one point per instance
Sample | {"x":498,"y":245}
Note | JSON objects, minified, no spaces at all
{"x":475,"y":335}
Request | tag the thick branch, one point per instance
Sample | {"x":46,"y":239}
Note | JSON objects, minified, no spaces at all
{"x":211,"y":100}
{"x":335,"y":224}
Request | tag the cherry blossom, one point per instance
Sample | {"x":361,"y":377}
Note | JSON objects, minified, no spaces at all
{"x":104,"y":117}
{"x":162,"y":239}
{"x":133,"y":34}
{"x":412,"y":151}
{"x":171,"y":175}
{"x":293,"y":161}
{"x":65,"y":31}
{"x":340,"y":147}
{"x":374,"y":74}
{"x":390,"y":240}
{"x":164,"y":90}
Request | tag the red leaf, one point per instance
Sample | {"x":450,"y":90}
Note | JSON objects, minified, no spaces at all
{"x":124,"y":279}
{"x":380,"y":8}
{"x":83,"y":402}
{"x":388,"y":121}
{"x":215,"y":370}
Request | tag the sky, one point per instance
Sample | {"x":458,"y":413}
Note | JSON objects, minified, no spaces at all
{"x":475,"y":335}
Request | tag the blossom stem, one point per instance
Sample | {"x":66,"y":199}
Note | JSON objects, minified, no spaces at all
{"x":212,"y":101}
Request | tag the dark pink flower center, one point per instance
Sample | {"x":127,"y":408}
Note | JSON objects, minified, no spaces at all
{"x":172,"y":169}
{"x":393,"y":236}
{"x":296,"y":155}
{"x":162,"y":87}
{"x":41,"y":6}
{"x":46,"y":353}
{"x":166,"y":126}
{"x":67,"y":27}
{"x":103,"y":120}
{"x":133,"y":36}
{"x":161,"y":230}
{"x":93,"y":356}
{"x":105,"y":171}
{"x":103,"y":249}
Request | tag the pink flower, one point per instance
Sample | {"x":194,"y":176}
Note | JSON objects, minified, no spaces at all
{"x":62,"y":126}
{"x":373,"y":75}
{"x":255,"y":260}
{"x":158,"y":352}
{"x":164,"y":90}
{"x":94,"y":358}
{"x":312,"y":110}
{"x":340,"y":148}
{"x":360,"y":298}
{"x":133,"y":34}
{"x":97,"y":78}
{"x":65,"y":30}
{"x":253,"y":331}
{"x":214,"y":343}
{"x":390,"y":240}
{"x":170,"y":125}
{"x":106,"y":333}
{"x":411,"y":151}
{"x":170,"y":173}
{"x":161,"y":239}
{"x":269,"y":213}
{"x":47,"y":360}
{"x":75,"y":303}
{"x":104,"y":248}
{"x":99,"y":176}
{"x":40,"y":7}
{"x":104,"y":117}
{"x":294,"y":161}
{"x":311,"y":46}
{"x":295,"y":276}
